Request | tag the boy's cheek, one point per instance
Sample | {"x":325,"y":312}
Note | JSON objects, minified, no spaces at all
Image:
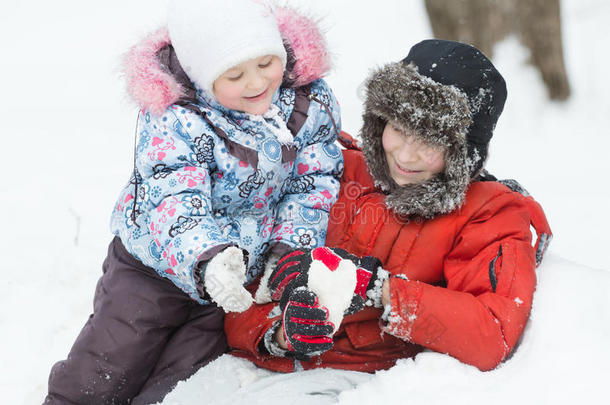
{"x":435,"y":161}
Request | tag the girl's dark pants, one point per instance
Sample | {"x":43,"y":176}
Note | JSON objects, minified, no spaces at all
{"x":144,"y":336}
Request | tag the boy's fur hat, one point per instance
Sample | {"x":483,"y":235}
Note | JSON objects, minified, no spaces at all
{"x":451,"y":95}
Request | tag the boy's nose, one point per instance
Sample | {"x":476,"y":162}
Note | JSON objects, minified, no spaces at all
{"x":407,"y":154}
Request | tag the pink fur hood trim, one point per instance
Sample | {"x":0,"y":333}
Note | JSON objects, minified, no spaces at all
{"x":154,"y":89}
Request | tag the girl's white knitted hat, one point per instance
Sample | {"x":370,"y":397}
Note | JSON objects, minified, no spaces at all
{"x":212,"y":36}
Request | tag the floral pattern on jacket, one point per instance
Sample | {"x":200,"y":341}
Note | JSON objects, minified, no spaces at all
{"x":195,"y":198}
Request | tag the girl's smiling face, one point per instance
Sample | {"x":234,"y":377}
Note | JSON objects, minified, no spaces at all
{"x":250,"y":85}
{"x":410,"y":161}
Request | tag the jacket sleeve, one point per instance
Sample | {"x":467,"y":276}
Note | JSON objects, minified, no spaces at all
{"x":246,"y":330}
{"x":303,"y":212}
{"x":490,"y":275}
{"x":175,"y":194}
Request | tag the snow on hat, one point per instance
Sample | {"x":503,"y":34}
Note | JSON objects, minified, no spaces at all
{"x":211,"y":36}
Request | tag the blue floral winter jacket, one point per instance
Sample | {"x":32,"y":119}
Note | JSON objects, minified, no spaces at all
{"x":200,"y":190}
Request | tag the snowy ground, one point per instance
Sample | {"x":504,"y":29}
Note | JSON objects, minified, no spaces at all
{"x":67,"y":134}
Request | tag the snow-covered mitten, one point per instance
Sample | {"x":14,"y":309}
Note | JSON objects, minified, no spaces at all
{"x":224,"y":278}
{"x":307,"y":329}
{"x":370,"y":277}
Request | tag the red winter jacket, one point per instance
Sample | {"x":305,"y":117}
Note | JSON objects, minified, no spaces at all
{"x":471,"y":278}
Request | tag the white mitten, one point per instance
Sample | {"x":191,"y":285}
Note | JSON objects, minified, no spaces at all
{"x":224,"y":280}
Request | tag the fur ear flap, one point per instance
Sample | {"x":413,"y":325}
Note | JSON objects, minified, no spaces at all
{"x":151,"y":87}
{"x":303,"y":35}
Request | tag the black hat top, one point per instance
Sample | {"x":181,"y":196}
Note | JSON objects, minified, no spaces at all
{"x":467,"y":68}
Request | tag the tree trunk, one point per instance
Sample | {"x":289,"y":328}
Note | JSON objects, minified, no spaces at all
{"x":483,"y":23}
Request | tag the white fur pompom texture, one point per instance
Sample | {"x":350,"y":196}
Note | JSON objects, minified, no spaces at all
{"x":224,"y":280}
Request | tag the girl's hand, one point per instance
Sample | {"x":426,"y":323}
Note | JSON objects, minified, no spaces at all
{"x":224,"y":279}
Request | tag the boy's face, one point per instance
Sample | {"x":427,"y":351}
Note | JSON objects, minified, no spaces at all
{"x":250,"y":85}
{"x":410,"y":160}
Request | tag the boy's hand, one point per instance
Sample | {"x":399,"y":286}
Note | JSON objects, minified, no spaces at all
{"x":305,"y":328}
{"x":385,"y":293}
{"x":224,"y":280}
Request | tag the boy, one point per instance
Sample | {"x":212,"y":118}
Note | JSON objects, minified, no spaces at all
{"x":457,"y":244}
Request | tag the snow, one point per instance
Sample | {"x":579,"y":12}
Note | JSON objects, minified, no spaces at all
{"x":375,"y":294}
{"x":334,"y":289}
{"x":230,"y":380}
{"x":262,"y":294}
{"x":67,"y":136}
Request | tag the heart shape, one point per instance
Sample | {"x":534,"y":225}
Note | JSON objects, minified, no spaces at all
{"x":302,"y":168}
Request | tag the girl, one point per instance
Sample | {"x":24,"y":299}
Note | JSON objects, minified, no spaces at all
{"x":456,"y":243}
{"x":235,"y":164}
